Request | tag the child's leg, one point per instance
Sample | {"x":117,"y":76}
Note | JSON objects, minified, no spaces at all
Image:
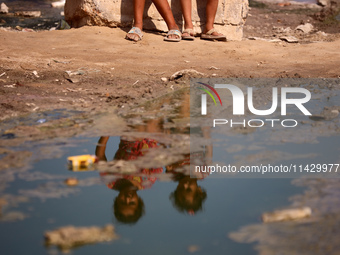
{"x":211,"y":10}
{"x":138,"y":10}
{"x":164,"y":9}
{"x":186,"y":10}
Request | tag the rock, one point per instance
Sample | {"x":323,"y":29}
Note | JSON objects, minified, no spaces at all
{"x":323,"y":2}
{"x":3,"y":8}
{"x":189,"y":72}
{"x":58,"y":4}
{"x":288,"y":214}
{"x":290,"y":39}
{"x":70,"y":237}
{"x":306,"y":28}
{"x":163,"y":79}
{"x":30,"y":14}
{"x":230,"y":18}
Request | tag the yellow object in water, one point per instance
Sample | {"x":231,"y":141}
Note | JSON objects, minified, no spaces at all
{"x":81,"y":162}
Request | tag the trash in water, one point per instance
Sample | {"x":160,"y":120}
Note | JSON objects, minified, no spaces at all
{"x":72,"y":181}
{"x":81,"y":162}
{"x":41,"y":121}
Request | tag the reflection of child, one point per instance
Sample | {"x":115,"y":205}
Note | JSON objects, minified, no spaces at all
{"x":188,"y":196}
{"x":128,"y":207}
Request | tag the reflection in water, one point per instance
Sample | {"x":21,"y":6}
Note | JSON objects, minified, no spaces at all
{"x":128,"y":206}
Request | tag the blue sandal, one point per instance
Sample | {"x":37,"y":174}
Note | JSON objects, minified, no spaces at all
{"x":173,"y":32}
{"x":136,"y":31}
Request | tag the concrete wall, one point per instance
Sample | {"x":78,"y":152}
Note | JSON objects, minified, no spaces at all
{"x":230,"y":17}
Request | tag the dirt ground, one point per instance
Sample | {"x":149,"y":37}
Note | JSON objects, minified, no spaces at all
{"x":94,"y":68}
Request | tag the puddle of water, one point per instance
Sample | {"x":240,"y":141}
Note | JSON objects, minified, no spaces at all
{"x":142,"y":184}
{"x":165,"y":227}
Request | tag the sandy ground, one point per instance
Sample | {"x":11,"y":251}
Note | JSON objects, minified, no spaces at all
{"x":108,"y":70}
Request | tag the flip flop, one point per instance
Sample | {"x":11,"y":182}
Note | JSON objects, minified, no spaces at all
{"x":136,"y":31}
{"x":189,"y":37}
{"x":209,"y":36}
{"x":173,"y":32}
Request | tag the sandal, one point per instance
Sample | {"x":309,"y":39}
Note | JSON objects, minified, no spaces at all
{"x":190,"y":36}
{"x":173,"y":32}
{"x":135,"y":31}
{"x":209,"y":36}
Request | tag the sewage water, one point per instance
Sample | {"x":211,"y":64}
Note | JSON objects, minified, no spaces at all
{"x":156,"y":207}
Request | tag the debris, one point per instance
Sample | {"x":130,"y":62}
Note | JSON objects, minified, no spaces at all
{"x":284,"y":4}
{"x":290,"y":39}
{"x":9,"y":86}
{"x":72,"y":181}
{"x":41,"y":121}
{"x":58,"y":4}
{"x":135,"y":83}
{"x":63,"y":25}
{"x":306,"y":28}
{"x":81,"y":162}
{"x":214,"y":68}
{"x":193,"y":248}
{"x":164,"y":79}
{"x":263,"y":39}
{"x":61,"y":62}
{"x":32,"y":14}
{"x":3,"y":8}
{"x":189,"y":72}
{"x":35,"y":73}
{"x":321,"y":33}
{"x":69,"y":237}
{"x":288,"y":214}
{"x":2,"y":74}
{"x":323,"y":2}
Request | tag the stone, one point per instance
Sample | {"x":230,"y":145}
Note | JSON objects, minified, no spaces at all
{"x":188,"y":72}
{"x":286,"y":215}
{"x":323,"y":2}
{"x":290,"y":39}
{"x":30,"y":14}
{"x":3,"y":8}
{"x":230,"y":18}
{"x":306,"y":28}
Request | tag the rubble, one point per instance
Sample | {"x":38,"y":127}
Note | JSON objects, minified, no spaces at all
{"x":189,"y":72}
{"x":30,"y":14}
{"x":306,"y":28}
{"x":3,"y":8}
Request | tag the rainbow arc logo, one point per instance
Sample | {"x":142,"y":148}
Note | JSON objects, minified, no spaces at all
{"x":204,"y":97}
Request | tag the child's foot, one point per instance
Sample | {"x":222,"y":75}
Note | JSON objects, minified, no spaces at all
{"x":188,"y":34}
{"x":173,"y":35}
{"x":135,"y":34}
{"x":212,"y":35}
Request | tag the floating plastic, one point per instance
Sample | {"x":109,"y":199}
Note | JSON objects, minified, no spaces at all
{"x":81,"y":162}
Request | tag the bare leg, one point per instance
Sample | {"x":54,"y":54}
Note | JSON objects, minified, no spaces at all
{"x":186,"y":10}
{"x":138,"y":10}
{"x":164,"y":9}
{"x":211,"y":10}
